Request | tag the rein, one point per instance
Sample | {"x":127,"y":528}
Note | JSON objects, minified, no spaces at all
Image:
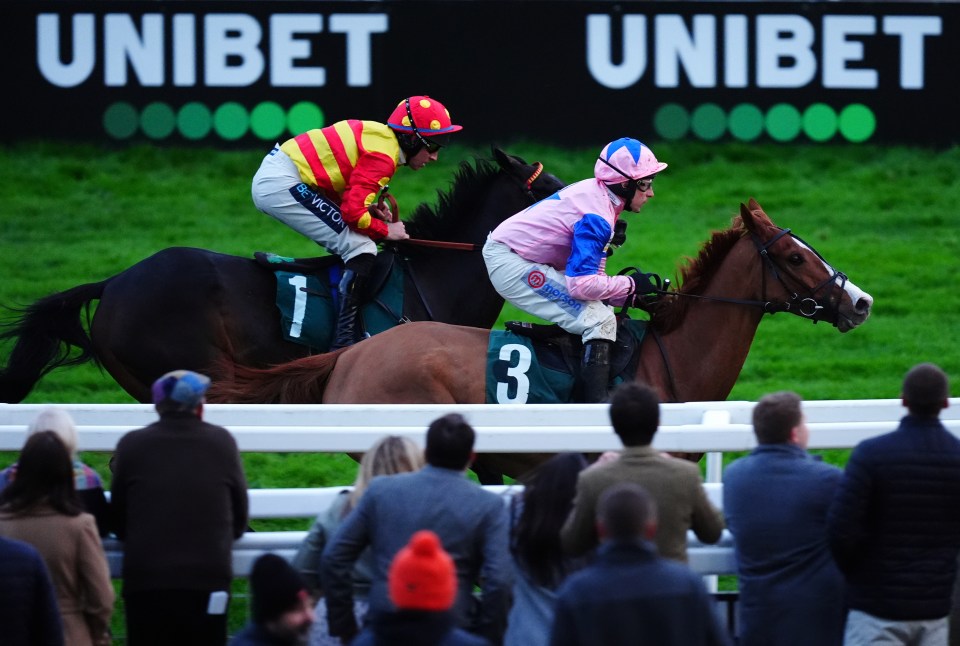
{"x":527,"y":187}
{"x":806,"y":306}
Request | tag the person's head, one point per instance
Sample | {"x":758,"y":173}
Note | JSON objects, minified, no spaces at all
{"x":926,"y":389}
{"x":626,"y":512}
{"x":634,"y":413}
{"x":422,"y":126}
{"x":59,"y":421}
{"x":280,"y":602}
{"x":44,"y":475}
{"x":547,"y":499}
{"x":422,"y":576}
{"x":450,"y":442}
{"x":628,"y":167}
{"x":180,"y":391}
{"x":778,"y":419}
{"x":389,"y":455}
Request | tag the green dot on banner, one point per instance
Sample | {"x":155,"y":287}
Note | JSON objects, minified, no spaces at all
{"x":857,"y":122}
{"x":671,"y":121}
{"x":157,"y":120}
{"x":194,"y":121}
{"x":267,"y":120}
{"x":820,"y":122}
{"x":120,"y":120}
{"x":708,"y":122}
{"x":304,"y":116}
{"x":783,"y":122}
{"x":746,"y":122}
{"x":231,"y":120}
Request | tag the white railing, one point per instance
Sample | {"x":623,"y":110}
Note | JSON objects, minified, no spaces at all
{"x":710,"y":427}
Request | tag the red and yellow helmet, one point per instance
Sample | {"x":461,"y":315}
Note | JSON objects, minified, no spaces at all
{"x":421,"y":117}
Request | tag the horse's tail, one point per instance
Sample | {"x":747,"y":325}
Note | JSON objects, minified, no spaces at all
{"x":46,"y":333}
{"x":300,"y":381}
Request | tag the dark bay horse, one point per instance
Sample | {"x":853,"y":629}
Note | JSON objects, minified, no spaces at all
{"x":705,"y":329}
{"x":194,"y":308}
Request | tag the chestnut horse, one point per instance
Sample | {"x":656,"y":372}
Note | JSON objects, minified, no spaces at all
{"x":699,"y":339}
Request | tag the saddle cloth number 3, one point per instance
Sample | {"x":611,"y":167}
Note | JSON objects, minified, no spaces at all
{"x":516,"y":374}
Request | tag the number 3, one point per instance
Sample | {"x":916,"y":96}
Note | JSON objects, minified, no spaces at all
{"x":518,"y":373}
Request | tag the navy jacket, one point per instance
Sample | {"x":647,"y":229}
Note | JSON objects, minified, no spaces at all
{"x":634,"y":597}
{"x":894,"y":525}
{"x":29,"y":615}
{"x":776,"y":501}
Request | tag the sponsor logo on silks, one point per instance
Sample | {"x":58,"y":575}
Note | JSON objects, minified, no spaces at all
{"x":552,"y":291}
{"x":319,"y":205}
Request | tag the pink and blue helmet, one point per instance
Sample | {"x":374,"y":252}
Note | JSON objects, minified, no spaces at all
{"x":630,"y":157}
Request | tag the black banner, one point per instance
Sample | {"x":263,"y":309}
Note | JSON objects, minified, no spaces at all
{"x":562,"y":71}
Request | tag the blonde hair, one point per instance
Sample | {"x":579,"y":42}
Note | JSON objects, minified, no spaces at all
{"x":389,"y":455}
{"x":59,"y":421}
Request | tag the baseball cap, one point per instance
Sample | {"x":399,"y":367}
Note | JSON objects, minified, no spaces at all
{"x":183,"y":387}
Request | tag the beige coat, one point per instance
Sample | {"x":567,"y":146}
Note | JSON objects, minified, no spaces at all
{"x":675,"y":486}
{"x":71,"y":548}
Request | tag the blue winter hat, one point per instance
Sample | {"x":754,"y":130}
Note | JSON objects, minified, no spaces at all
{"x":184,"y":388}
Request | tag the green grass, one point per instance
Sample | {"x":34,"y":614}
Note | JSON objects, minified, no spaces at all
{"x":885,"y":216}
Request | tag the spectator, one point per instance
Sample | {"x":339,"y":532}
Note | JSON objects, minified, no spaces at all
{"x":28,"y":605}
{"x":281,"y":608}
{"x":776,"y":501}
{"x":423,"y":588}
{"x":894,"y":525}
{"x":87,"y":482}
{"x":471,"y":524}
{"x":674,"y":483}
{"x":40,"y":507}
{"x":539,"y":563}
{"x":179,"y":502}
{"x":630,"y":595}
{"x":389,"y":455}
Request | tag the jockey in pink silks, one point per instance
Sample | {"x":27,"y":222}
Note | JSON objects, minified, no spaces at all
{"x":549,"y":260}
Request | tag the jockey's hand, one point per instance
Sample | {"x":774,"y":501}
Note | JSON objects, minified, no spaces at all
{"x":647,"y":289}
{"x":381,"y":211}
{"x":396,"y":231}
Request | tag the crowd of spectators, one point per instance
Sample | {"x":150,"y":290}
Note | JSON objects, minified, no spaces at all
{"x":417,"y":553}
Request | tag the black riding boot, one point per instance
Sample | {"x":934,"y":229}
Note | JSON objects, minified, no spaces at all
{"x":351,"y":290}
{"x":595,"y":371}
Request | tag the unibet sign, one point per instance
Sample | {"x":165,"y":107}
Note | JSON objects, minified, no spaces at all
{"x":786,"y":50}
{"x":232,"y":50}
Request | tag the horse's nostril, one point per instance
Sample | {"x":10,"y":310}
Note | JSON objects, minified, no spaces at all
{"x":864,"y":303}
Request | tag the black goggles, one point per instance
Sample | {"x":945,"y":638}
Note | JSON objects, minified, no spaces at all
{"x":434,"y":143}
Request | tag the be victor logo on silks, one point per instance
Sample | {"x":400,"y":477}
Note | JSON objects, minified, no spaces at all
{"x":553,"y":291}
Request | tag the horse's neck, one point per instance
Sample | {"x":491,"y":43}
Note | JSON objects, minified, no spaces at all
{"x":456,"y":288}
{"x":707,"y":350}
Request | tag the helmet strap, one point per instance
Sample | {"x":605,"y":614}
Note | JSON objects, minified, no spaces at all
{"x":413,"y":124}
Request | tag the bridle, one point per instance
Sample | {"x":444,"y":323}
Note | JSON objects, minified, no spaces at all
{"x":807,"y":305}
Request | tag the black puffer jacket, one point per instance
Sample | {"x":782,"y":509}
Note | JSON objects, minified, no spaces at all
{"x":894,"y":525}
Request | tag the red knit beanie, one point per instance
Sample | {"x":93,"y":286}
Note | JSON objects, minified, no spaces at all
{"x":422,"y":576}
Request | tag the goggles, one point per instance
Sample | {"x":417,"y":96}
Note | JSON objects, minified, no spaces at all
{"x":431,"y":146}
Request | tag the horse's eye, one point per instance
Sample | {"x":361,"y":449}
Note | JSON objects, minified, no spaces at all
{"x":795,"y":259}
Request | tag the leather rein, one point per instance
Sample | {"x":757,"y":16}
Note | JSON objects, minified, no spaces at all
{"x":526,"y":185}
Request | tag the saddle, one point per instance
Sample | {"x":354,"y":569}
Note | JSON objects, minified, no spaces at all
{"x":559,"y":350}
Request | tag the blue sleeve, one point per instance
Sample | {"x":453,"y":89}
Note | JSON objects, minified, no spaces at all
{"x":590,"y":237}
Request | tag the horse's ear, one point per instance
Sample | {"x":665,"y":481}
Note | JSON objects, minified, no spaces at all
{"x":746,"y":216}
{"x":753,"y":205}
{"x":505,"y":161}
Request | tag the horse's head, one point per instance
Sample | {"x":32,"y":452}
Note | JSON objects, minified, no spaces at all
{"x":809,"y":286}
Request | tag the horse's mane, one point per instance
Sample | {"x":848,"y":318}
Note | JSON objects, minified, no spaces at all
{"x":470,"y":184}
{"x":696,"y":274}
